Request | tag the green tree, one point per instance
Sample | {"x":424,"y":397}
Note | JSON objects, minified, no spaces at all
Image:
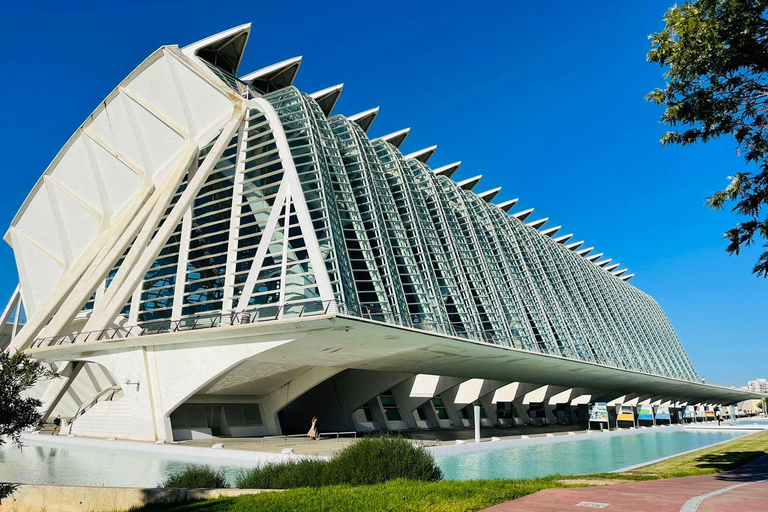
{"x":17,"y":373}
{"x":716,"y":55}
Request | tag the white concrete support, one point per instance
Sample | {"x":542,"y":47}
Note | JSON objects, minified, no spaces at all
{"x":418,"y":391}
{"x":468,"y":392}
{"x":156,"y":380}
{"x":285,"y":394}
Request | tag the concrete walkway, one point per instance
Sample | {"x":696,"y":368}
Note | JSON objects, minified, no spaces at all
{"x":329,"y":444}
{"x":742,"y":490}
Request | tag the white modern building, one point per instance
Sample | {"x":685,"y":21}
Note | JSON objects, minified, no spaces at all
{"x":758,"y":386}
{"x":214,"y":253}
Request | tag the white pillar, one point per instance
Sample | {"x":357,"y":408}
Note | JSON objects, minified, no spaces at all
{"x":477,"y":423}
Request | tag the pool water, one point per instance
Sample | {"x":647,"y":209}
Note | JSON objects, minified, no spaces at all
{"x":589,"y":453}
{"x":40,"y":464}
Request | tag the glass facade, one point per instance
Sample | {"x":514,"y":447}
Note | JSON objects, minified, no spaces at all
{"x":300,"y":210}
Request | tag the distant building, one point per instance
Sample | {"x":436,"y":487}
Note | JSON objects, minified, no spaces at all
{"x":758,"y":386}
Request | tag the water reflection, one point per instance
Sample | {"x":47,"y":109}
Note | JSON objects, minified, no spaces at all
{"x":591,"y":455}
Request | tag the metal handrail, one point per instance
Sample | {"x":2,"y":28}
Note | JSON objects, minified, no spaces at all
{"x":254,"y":315}
{"x":285,"y":437}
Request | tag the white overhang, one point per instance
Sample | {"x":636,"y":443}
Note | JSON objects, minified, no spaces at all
{"x":223,"y":50}
{"x":469,"y":183}
{"x":423,"y":155}
{"x":603,"y":262}
{"x":584,"y":252}
{"x":551,"y":231}
{"x":365,"y":119}
{"x":594,"y":257}
{"x":536,"y":224}
{"x":327,"y":98}
{"x":612,"y":267}
{"x":575,"y":245}
{"x":488,"y":195}
{"x":523,"y":214}
{"x":370,"y":345}
{"x":274,"y":77}
{"x":447,"y":170}
{"x":564,"y":238}
{"x":619,"y":272}
{"x":627,"y":277}
{"x":396,"y":138}
{"x":507,"y":205}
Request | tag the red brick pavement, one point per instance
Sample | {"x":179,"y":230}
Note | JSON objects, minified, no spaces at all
{"x":658,"y":495}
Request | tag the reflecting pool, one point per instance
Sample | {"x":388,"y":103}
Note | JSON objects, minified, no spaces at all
{"x":588,"y":453}
{"x":44,"y":464}
{"x":41,"y":463}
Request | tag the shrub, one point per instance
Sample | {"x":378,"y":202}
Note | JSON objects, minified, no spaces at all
{"x":195,"y":477}
{"x":284,"y":475}
{"x":376,"y":460}
{"x":369,"y":461}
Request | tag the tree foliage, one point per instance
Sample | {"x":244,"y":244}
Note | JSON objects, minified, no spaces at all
{"x":18,"y":373}
{"x":716,"y":55}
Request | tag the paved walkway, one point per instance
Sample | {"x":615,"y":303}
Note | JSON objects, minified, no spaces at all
{"x":742,"y":490}
{"x":329,"y":444}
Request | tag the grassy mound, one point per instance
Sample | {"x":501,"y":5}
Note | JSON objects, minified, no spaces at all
{"x":195,"y":477}
{"x":372,"y":460}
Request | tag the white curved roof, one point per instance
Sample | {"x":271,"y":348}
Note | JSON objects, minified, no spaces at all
{"x":423,"y":155}
{"x":327,"y":98}
{"x":396,"y":138}
{"x":523,"y":214}
{"x":469,"y":183}
{"x":365,"y":119}
{"x":488,"y":195}
{"x":536,"y":224}
{"x":274,"y":77}
{"x":138,"y":136}
{"x":224,"y":49}
{"x":551,"y":231}
{"x":447,"y":170}
{"x":507,"y":205}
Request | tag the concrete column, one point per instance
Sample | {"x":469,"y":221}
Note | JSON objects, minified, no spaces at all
{"x":420,"y":389}
{"x":58,"y":387}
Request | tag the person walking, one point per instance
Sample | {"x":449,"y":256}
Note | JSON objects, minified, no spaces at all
{"x":56,"y":426}
{"x":718,"y":417}
{"x":313,"y":433}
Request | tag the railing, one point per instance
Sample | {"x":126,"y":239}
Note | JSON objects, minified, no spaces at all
{"x":254,"y":315}
{"x":298,"y":437}
{"x":264,"y":313}
{"x":106,"y":395}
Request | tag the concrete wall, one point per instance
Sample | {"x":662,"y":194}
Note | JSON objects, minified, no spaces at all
{"x":65,"y":498}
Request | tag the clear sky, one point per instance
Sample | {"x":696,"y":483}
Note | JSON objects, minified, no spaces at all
{"x":543,"y":98}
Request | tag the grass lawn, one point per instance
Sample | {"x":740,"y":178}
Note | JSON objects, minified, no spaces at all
{"x":710,"y":460}
{"x":397,"y":495}
{"x":452,"y":495}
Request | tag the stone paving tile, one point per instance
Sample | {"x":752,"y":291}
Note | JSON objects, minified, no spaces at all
{"x":668,"y":495}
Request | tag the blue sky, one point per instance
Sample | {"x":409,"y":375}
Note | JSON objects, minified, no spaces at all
{"x":544,"y":99}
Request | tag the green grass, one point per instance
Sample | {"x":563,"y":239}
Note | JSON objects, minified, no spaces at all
{"x":395,"y":495}
{"x":372,"y":460}
{"x":715,"y":459}
{"x":458,"y":496}
{"x":196,"y":477}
